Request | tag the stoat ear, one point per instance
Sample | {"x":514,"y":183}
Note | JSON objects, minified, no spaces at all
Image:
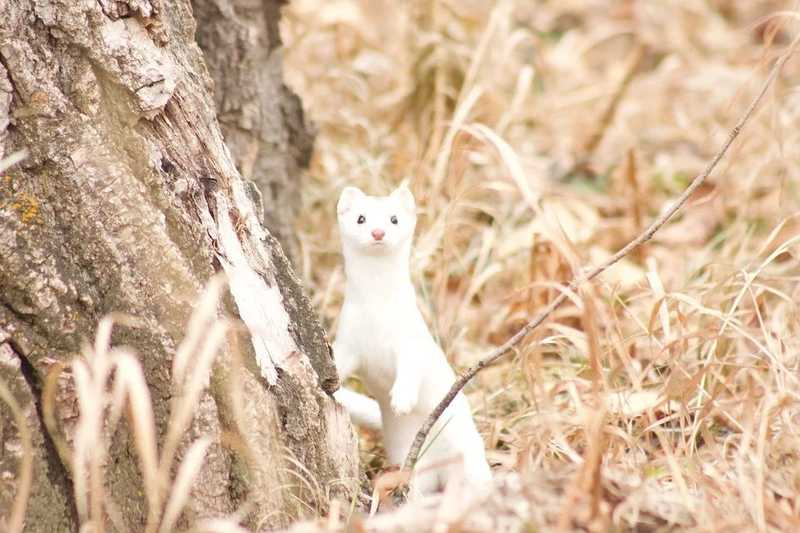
{"x":406,"y":199}
{"x":347,"y":198}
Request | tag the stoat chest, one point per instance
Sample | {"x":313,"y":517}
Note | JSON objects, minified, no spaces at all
{"x":376,"y":343}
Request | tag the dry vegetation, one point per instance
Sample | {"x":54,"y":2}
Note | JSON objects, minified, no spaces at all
{"x":542,"y":136}
{"x":539,"y":137}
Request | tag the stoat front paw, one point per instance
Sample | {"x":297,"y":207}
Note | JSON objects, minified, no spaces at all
{"x":403,"y":400}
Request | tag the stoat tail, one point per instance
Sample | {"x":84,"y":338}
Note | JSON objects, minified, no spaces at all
{"x":363,"y":411}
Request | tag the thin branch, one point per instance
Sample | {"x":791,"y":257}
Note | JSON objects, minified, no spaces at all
{"x":502,"y":350}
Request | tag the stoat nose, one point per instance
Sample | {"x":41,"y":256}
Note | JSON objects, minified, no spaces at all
{"x":378,"y":234}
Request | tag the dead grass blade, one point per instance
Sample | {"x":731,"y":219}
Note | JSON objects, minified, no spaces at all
{"x":188,"y":394}
{"x":107,"y":380}
{"x":511,"y":161}
{"x":129,"y":375}
{"x":181,"y":488}
{"x":49,"y":412}
{"x":205,"y":312}
{"x":13,"y":159}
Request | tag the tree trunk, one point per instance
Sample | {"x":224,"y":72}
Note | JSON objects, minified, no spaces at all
{"x":262,"y":120}
{"x":129,"y":201}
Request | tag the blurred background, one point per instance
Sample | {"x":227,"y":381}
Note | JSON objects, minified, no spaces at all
{"x":541,"y":136}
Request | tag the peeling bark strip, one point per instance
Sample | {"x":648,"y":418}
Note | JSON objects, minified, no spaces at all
{"x":129,"y":201}
{"x":258,"y":302}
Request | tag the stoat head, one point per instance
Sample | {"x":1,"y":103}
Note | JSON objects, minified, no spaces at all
{"x":376,"y":225}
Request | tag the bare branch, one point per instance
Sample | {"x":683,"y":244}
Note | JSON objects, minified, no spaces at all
{"x":502,"y":350}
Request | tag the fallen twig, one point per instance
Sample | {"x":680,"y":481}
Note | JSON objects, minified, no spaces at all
{"x":645,"y":236}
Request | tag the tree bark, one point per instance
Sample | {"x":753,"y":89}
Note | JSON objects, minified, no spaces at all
{"x":129,"y":201}
{"x":262,"y":120}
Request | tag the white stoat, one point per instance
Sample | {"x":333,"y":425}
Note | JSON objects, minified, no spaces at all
{"x":383,"y":338}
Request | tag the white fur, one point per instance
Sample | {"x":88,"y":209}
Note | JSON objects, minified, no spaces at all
{"x":363,"y":411}
{"x":383,"y":338}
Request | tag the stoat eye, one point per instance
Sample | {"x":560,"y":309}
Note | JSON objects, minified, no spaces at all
{"x":361,"y":219}
{"x":393,"y":219}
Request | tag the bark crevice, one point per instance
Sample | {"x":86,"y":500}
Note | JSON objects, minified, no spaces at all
{"x":57,"y":472}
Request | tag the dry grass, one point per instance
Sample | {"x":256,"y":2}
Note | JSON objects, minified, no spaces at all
{"x":106,"y":385}
{"x":537,"y":137}
{"x":109,"y":383}
{"x":541,"y":136}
